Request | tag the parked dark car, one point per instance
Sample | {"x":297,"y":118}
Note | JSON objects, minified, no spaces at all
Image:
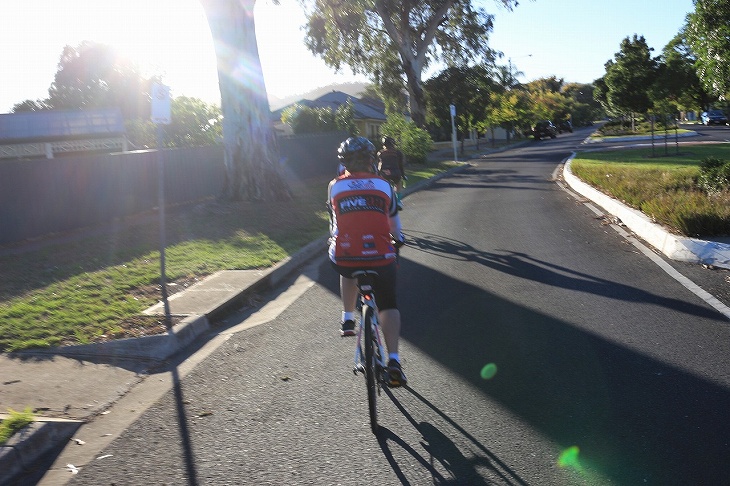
{"x":565,"y":126}
{"x":544,"y":128}
{"x":713,"y":117}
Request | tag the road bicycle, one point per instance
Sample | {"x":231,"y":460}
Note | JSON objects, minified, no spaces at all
{"x":369,"y":351}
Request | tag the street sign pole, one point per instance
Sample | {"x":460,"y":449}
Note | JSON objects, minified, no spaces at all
{"x":452,"y":109}
{"x":160,"y":117}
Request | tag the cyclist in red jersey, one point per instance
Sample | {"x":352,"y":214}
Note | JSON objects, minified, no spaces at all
{"x":365,"y":231}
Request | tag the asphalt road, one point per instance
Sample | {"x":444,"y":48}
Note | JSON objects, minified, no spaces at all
{"x":609,"y":371}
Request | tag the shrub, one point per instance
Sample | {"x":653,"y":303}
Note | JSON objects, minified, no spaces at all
{"x":414,"y":142}
{"x":669,"y":196}
{"x":692,"y":213}
{"x":714,"y":175}
{"x":642,"y":126}
{"x":306,"y":119}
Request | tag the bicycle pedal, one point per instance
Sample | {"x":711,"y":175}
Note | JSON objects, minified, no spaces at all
{"x":358,"y":368}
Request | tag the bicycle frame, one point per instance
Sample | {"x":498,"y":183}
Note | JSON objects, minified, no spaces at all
{"x":367,"y":298}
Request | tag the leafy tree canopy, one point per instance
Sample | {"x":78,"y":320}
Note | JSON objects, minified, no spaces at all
{"x":584,"y":109}
{"x":94,"y":75}
{"x":307,"y":119}
{"x":392,"y":41}
{"x":629,"y":75}
{"x":469,"y":88}
{"x":546,"y":85}
{"x":708,"y":34}
{"x":677,"y":81}
{"x":30,"y":105}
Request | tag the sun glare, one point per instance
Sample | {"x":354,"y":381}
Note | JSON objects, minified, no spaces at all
{"x":166,"y":37}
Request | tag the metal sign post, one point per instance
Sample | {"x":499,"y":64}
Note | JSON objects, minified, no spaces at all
{"x":452,"y":109}
{"x":160,"y":117}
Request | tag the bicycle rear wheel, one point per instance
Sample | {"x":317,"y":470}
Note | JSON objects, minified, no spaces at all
{"x":371,"y":380}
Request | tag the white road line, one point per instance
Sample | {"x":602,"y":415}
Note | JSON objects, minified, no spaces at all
{"x":686,"y":282}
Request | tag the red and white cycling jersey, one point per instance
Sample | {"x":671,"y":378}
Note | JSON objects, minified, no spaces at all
{"x":361,"y":207}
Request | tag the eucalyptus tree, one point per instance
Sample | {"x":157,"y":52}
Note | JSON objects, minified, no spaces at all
{"x":708,"y":34}
{"x":395,"y":41}
{"x":250,"y":154}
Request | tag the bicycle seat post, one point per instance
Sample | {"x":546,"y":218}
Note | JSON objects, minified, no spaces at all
{"x":365,"y":280}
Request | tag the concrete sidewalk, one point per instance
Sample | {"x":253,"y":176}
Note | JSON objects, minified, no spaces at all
{"x":71,"y":386}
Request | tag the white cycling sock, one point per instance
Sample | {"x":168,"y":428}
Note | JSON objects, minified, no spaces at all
{"x":348,"y":316}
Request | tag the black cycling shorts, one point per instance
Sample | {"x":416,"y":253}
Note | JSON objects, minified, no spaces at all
{"x":383,"y":284}
{"x":394,"y":176}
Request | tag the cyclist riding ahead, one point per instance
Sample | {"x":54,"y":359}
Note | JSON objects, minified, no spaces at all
{"x":390,"y":166}
{"x":365,"y":231}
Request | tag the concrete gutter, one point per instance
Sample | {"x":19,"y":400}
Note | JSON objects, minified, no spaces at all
{"x":29,"y":444}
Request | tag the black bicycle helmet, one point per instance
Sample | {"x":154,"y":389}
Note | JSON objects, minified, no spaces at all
{"x":388,"y":142}
{"x":355,"y":146}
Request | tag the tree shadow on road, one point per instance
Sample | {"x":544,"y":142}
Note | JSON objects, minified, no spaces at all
{"x":524,"y":266}
{"x":635,"y":417}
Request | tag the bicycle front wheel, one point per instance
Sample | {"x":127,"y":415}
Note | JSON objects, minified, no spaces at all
{"x":371,"y":380}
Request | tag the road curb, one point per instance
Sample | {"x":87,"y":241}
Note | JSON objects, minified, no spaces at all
{"x":675,"y":247}
{"x":26,"y":446}
{"x":640,"y":138}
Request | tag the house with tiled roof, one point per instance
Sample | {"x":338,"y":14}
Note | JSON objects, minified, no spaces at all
{"x":369,"y":114}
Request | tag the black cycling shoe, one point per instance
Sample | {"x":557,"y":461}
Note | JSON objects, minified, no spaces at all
{"x":348,"y":328}
{"x":395,"y":374}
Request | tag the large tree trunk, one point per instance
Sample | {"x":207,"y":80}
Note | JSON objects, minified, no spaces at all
{"x":413,"y":50}
{"x":417,"y":100}
{"x":251,"y":156}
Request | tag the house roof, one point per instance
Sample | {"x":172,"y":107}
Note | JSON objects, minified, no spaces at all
{"x":54,"y":125}
{"x":365,"y":109}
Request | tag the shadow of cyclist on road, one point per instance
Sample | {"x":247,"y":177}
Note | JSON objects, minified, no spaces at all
{"x":441,"y":456}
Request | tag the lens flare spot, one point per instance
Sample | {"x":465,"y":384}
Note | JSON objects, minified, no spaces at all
{"x":569,"y":458}
{"x":489,"y":371}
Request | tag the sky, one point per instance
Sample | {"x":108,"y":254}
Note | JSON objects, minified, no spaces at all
{"x":569,"y":39}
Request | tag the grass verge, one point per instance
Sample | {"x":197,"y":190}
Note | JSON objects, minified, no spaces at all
{"x":664,"y":188}
{"x":79,"y":290}
{"x":15,"y":422}
{"x":641,"y":127}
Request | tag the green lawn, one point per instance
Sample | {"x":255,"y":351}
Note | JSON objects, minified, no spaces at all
{"x":663,"y":187}
{"x":95,"y":288}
